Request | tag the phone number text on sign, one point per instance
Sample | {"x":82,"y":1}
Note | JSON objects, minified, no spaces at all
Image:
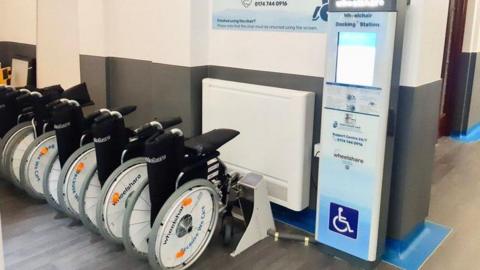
{"x":271,"y":3}
{"x":269,"y":16}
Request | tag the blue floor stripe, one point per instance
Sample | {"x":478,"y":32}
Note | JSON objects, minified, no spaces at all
{"x":473,"y":135}
{"x":415,"y":250}
{"x":304,"y":220}
{"x":409,"y":254}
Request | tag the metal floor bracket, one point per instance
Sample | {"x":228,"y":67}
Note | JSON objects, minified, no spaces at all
{"x":262,"y":217}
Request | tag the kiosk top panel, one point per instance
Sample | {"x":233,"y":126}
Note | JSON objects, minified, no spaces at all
{"x":362,"y":5}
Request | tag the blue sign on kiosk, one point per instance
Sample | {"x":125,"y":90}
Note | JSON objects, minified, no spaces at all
{"x":343,"y":220}
{"x":360,"y":94}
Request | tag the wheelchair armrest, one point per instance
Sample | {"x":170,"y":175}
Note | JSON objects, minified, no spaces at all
{"x":211,"y":141}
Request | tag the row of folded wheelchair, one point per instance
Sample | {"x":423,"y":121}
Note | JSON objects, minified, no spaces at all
{"x":149,"y":189}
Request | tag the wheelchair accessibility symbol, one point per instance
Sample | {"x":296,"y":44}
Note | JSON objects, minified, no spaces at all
{"x":343,"y":220}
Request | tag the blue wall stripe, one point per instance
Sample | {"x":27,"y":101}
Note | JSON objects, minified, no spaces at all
{"x":472,"y":135}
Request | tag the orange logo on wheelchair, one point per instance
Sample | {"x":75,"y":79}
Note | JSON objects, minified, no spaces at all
{"x":43,"y":151}
{"x":80,"y":167}
{"x":187,"y":201}
{"x":115,"y":198}
{"x":180,"y":254}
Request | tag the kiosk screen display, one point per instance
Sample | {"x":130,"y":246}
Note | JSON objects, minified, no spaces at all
{"x":356,"y":58}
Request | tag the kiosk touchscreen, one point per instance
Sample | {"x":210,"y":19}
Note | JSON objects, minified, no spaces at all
{"x":356,"y":104}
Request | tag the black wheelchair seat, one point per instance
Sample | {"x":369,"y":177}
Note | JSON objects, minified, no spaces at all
{"x":210,"y":142}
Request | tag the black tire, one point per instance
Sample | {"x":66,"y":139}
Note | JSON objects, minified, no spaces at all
{"x":118,"y":180}
{"x":50,"y":183}
{"x":68,"y":172}
{"x":137,"y":205}
{"x":35,"y":162}
{"x":4,"y":142}
{"x":227,"y":229}
{"x":14,"y":152}
{"x":88,"y":212}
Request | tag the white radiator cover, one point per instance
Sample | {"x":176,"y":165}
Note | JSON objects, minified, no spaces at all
{"x":276,"y":129}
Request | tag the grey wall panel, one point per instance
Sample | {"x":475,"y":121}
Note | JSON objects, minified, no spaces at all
{"x":93,"y":71}
{"x":130,"y":83}
{"x":416,"y":136}
{"x":474,"y":114}
{"x":8,"y":50}
{"x":283,"y":80}
{"x":176,"y":91}
{"x":197,"y":76}
{"x":3,"y":53}
{"x":160,"y":91}
{"x":464,"y":80}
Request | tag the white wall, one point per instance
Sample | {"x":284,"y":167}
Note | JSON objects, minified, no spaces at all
{"x":129,"y":28}
{"x":424,"y":43}
{"x":200,"y":32}
{"x":179,"y":33}
{"x":294,"y":53}
{"x":304,"y":54}
{"x":172,"y":33}
{"x":471,"y":40}
{"x":91,"y":27}
{"x":161,"y":31}
{"x":18,"y":21}
{"x":57,"y":43}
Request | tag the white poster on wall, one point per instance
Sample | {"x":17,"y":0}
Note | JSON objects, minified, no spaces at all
{"x":270,"y":16}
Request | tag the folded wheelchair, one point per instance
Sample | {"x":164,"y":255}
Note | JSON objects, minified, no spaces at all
{"x":173,"y":215}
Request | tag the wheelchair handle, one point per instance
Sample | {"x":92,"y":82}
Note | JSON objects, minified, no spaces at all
{"x":73,"y":102}
{"x":69,"y":101}
{"x":90,"y":118}
{"x":118,"y":112}
{"x":20,"y":96}
{"x":26,"y":110}
{"x":177,"y":132}
{"x":160,"y":125}
{"x":58,"y":106}
{"x":170,"y":122}
{"x":146,"y":126}
{"x":124,"y":111}
{"x":21,"y":116}
{"x":102,"y":117}
{"x":54,"y":103}
{"x":36,"y":94}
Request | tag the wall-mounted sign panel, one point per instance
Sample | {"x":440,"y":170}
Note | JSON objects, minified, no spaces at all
{"x":270,"y":16}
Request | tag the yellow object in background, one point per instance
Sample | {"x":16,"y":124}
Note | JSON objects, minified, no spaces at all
{"x":5,"y":75}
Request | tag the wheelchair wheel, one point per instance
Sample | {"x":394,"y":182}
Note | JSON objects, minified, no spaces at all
{"x":89,"y":195}
{"x":50,"y":183}
{"x":35,"y":164}
{"x":136,"y":223}
{"x":184,"y":226}
{"x":14,"y":150}
{"x":227,"y":229}
{"x":5,"y":142}
{"x":112,"y":203}
{"x":75,"y":172}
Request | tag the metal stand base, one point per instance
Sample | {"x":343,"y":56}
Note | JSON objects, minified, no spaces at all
{"x":262,"y":217}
